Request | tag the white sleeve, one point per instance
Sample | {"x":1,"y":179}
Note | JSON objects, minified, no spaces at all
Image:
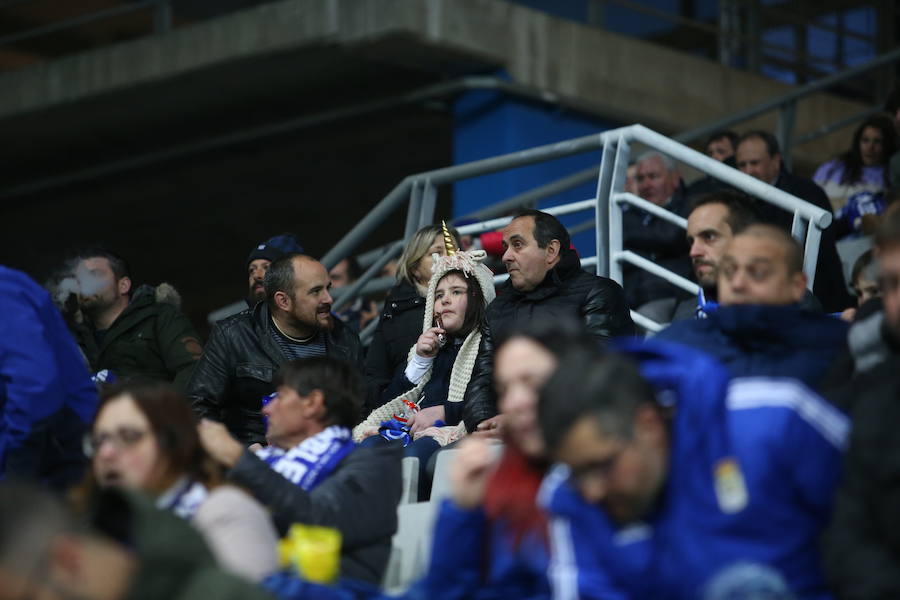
{"x":417,"y":367}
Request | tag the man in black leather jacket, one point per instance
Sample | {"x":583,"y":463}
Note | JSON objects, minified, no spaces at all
{"x":546,"y":281}
{"x":245,"y":350}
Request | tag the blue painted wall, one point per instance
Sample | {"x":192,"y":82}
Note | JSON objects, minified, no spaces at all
{"x":489,"y":124}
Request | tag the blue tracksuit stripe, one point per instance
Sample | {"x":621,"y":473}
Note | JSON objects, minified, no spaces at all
{"x":767,"y":392}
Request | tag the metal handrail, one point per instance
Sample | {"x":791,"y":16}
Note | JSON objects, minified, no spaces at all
{"x":809,"y":220}
{"x":399,"y":194}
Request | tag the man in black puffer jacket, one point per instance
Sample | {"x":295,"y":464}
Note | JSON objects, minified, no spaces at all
{"x":245,"y":350}
{"x":546,"y":281}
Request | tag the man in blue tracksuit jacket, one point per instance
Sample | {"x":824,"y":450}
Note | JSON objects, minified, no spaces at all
{"x":761,"y":327}
{"x":713,"y":472}
{"x":47,"y":398}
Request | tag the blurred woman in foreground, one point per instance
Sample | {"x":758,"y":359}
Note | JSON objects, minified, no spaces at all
{"x":144,"y":438}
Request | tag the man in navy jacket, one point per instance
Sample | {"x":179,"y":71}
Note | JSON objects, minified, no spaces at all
{"x":47,"y":398}
{"x":760,"y":327}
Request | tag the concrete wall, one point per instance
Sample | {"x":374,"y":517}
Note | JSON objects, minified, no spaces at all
{"x":611,"y":76}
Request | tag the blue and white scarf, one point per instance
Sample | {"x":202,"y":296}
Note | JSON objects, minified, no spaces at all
{"x":184,"y":498}
{"x":313,"y":459}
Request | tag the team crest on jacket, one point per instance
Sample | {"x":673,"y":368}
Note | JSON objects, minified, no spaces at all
{"x":731,"y":491}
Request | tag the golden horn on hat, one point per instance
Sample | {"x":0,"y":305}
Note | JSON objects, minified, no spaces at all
{"x":449,"y":244}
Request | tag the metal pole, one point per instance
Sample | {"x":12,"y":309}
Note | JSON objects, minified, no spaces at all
{"x":413,"y":210}
{"x":797,"y":93}
{"x":521,"y":158}
{"x":162,"y":16}
{"x":347,"y":294}
{"x":754,"y":36}
{"x":653,"y":209}
{"x":729,"y":175}
{"x":784,"y":131}
{"x":364,"y":228}
{"x":811,"y":254}
{"x":365,"y":336}
{"x":601,"y":211}
{"x":651,"y":267}
{"x":539,"y":193}
{"x":831,"y":127}
{"x":428,"y":201}
{"x":615,"y":226}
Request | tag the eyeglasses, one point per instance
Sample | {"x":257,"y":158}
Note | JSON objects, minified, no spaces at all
{"x":121,"y":438}
{"x":600,"y":469}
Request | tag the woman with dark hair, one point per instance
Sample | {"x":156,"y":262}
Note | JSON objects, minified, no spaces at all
{"x":399,"y":324}
{"x":144,"y":438}
{"x":856,"y":180}
{"x":491,"y":538}
{"x":444,"y":391}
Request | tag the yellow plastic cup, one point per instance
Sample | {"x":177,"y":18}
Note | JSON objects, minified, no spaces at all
{"x":315,"y":552}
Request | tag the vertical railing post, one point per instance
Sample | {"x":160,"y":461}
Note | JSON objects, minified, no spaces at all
{"x":601,"y":213}
{"x":413,"y":211}
{"x":784,"y":131}
{"x":754,"y":36}
{"x":427,"y":204}
{"x":162,"y":16}
{"x":615,"y":218}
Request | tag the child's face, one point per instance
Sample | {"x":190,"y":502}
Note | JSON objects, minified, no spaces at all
{"x":866,"y":289}
{"x":450,"y":302}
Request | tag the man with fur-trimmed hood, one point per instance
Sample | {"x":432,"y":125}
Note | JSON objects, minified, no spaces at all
{"x":132,"y":332}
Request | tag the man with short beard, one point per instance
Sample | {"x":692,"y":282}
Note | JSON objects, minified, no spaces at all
{"x":132,"y":331}
{"x":246,"y":350}
{"x":259,"y":260}
{"x":713,"y":220}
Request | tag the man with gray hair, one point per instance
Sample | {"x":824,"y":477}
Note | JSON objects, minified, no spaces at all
{"x":658,"y":181}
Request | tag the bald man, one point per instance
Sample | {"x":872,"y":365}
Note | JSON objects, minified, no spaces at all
{"x":760,"y":328}
{"x":246,"y":350}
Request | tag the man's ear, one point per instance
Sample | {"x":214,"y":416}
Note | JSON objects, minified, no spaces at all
{"x":282,"y":301}
{"x":124,"y":286}
{"x":314,"y":405}
{"x":553,"y":250}
{"x":66,"y":560}
{"x":648,"y":424}
{"x":798,"y":286}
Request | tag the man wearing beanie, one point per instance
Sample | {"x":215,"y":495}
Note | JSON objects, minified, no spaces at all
{"x":261,"y":257}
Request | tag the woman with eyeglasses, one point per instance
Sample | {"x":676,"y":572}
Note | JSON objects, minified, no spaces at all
{"x":144,"y":438}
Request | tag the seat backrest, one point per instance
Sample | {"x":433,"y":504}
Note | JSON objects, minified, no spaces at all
{"x":411,"y":546}
{"x":440,"y":485}
{"x":410,"y":472}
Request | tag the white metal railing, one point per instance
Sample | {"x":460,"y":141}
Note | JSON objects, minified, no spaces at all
{"x":611,"y":193}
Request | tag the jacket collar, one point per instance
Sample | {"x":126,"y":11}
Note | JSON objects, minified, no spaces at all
{"x":261,"y":318}
{"x":142,"y":298}
{"x":761,"y":326}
